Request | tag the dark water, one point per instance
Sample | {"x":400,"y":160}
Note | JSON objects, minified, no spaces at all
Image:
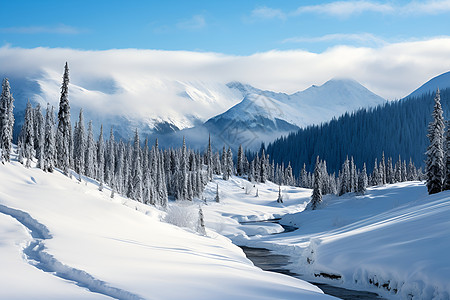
{"x":269,"y":261}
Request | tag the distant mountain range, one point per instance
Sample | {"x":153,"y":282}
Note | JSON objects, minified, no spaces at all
{"x":263,"y":116}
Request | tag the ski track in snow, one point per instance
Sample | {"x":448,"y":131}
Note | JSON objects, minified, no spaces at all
{"x":44,"y":261}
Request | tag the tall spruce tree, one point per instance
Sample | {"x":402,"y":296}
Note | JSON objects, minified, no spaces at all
{"x":90,"y":155}
{"x":446,"y":185}
{"x":316,"y":197}
{"x":435,"y":153}
{"x":49,"y":140}
{"x":6,"y":121}
{"x":64,"y":131}
{"x":79,"y":146}
{"x":27,"y":135}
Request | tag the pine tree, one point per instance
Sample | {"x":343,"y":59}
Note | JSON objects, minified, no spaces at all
{"x":27,"y":135}
{"x":230,"y":166}
{"x":217,"y":194}
{"x":100,"y":159}
{"x":39,"y":126}
{"x":446,"y":185}
{"x":201,"y":222}
{"x":90,"y":155}
{"x":49,"y":140}
{"x":64,"y":131}
{"x":79,"y":146}
{"x":435,"y":154}
{"x":110,"y":159}
{"x":240,"y":161}
{"x":362,"y":180}
{"x":135,"y":183}
{"x":316,"y":197}
{"x":6,"y":121}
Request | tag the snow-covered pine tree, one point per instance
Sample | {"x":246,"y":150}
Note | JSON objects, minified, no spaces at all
{"x":262,"y":168}
{"x":39,"y":125}
{"x":100,"y":159}
{"x":435,"y":153}
{"x":49,"y":140}
{"x":64,"y":131}
{"x":230,"y":165}
{"x":217,"y":194}
{"x":201,"y":222}
{"x":345,"y":178}
{"x":6,"y":121}
{"x":362,"y":180}
{"x":316,"y":197}
{"x":240,"y":161}
{"x":79,"y":146}
{"x":28,"y":135}
{"x":90,"y":155}
{"x":110,"y":162}
{"x":135,"y":182}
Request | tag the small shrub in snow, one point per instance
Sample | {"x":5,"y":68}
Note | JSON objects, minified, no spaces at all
{"x":182,"y":215}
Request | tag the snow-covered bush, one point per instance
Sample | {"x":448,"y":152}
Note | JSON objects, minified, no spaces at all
{"x":182,"y":214}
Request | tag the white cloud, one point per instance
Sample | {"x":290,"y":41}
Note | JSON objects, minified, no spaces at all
{"x":345,"y":8}
{"x":362,"y":38}
{"x":265,"y":12}
{"x":58,"y":29}
{"x":196,"y":22}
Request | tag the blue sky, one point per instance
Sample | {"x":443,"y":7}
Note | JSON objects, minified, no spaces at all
{"x":229,"y":27}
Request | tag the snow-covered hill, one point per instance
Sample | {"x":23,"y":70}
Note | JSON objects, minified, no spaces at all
{"x":263,"y":116}
{"x":442,"y":81}
{"x":61,"y":239}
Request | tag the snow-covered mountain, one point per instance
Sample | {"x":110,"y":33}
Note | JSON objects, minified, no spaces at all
{"x":442,"y":81}
{"x":153,"y":105}
{"x":264,"y":115}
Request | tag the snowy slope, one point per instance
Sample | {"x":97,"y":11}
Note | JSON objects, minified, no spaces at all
{"x":442,"y":81}
{"x":394,"y":241}
{"x":58,"y":233}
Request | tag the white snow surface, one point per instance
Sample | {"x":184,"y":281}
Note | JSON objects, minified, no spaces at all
{"x":118,"y":247}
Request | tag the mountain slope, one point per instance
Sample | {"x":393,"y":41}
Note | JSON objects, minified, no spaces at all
{"x":442,"y":82}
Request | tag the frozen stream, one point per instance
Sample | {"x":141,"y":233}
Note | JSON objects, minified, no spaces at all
{"x":270,"y":261}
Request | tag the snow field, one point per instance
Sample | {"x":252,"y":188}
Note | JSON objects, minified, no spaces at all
{"x":122,"y":244}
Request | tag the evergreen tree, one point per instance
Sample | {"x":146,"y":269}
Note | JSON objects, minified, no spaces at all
{"x":201,"y":222}
{"x":435,"y":154}
{"x":316,"y":197}
{"x":135,"y":183}
{"x":110,"y":159}
{"x":79,"y":146}
{"x":39,"y":126}
{"x":230,"y":166}
{"x":64,"y":131}
{"x":6,"y":121}
{"x":100,"y":159}
{"x":362,"y":180}
{"x":90,"y":155}
{"x":27,"y":135}
{"x":49,"y":140}
{"x":217,"y":194}
{"x":240,"y":161}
